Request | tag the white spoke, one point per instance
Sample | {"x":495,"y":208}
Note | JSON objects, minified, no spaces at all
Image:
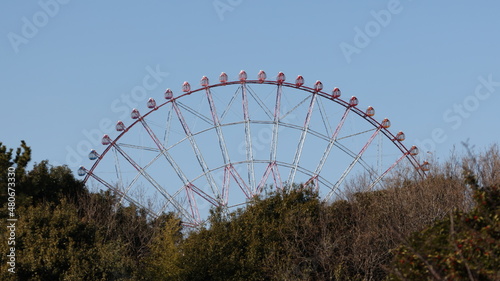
{"x":157,"y":186}
{"x":324,"y":118}
{"x":260,"y":102}
{"x":216,"y":123}
{"x":274,"y":140}
{"x":295,"y":107}
{"x":332,"y":141}
{"x":356,"y":159}
{"x":167,"y":127}
{"x":217,"y":167}
{"x":197,"y":151}
{"x":248,"y":138}
{"x":194,"y":112}
{"x":226,"y":110}
{"x":118,"y":191}
{"x":223,"y":148}
{"x":118,"y":169}
{"x":302,"y":139}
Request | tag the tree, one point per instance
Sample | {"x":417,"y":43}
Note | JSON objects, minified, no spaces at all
{"x":53,"y":243}
{"x":18,"y":163}
{"x":463,"y":246}
{"x":163,"y":261}
{"x":254,"y":244}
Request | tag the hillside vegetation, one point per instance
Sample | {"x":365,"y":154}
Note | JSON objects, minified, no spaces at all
{"x":443,"y":227}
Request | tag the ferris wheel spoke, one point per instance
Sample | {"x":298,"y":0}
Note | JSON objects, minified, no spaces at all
{"x":139,"y":147}
{"x":194,"y":112}
{"x":248,"y":138}
{"x":197,"y":151}
{"x":151,"y":180}
{"x":260,"y":102}
{"x":164,"y":152}
{"x":226,"y":110}
{"x":407,"y":154}
{"x":117,"y":190}
{"x":324,"y":118}
{"x":264,"y":178}
{"x":230,"y":172}
{"x":225,"y":186}
{"x":216,"y":123}
{"x":129,"y":187}
{"x":377,"y":180}
{"x":276,"y":176}
{"x":137,"y":176}
{"x":331,"y":142}
{"x":274,"y":142}
{"x":222,"y":145}
{"x":300,"y":145}
{"x":274,"y":139}
{"x":356,"y":134}
{"x":215,"y":179}
{"x":204,"y":195}
{"x":117,"y":168}
{"x":168,"y":124}
{"x":192,"y":204}
{"x":296,"y":106}
{"x":356,"y":159}
{"x":271,"y":168}
{"x":239,"y":181}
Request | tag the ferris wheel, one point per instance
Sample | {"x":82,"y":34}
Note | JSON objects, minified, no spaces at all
{"x":223,"y":143}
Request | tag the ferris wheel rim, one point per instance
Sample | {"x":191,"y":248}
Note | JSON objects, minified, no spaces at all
{"x":219,"y":196}
{"x":385,"y":131}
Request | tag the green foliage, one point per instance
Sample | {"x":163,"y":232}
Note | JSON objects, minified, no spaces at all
{"x":127,"y":225}
{"x":19,"y":163}
{"x":464,"y":246}
{"x":53,"y":243}
{"x":249,"y":244}
{"x":163,"y":261}
{"x":64,"y":232}
{"x":45,"y":183}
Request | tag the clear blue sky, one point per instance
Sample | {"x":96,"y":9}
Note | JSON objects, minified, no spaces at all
{"x":67,"y":66}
